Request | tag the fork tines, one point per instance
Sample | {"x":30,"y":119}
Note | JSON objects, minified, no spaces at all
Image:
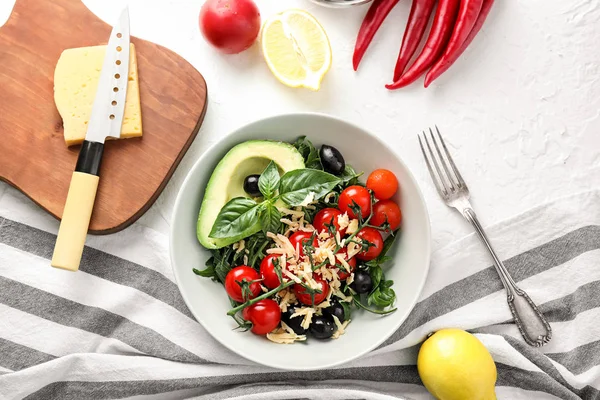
{"x":445,"y":181}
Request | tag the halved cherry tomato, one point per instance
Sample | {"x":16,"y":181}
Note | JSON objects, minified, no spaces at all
{"x":383,"y":183}
{"x":305,"y":298}
{"x":386,"y":209}
{"x":351,"y":262}
{"x":327,"y":216}
{"x":358,"y":195}
{"x":267,"y":270}
{"x":300,"y":238}
{"x":265,"y":316}
{"x":372,"y":236}
{"x":241,"y":274}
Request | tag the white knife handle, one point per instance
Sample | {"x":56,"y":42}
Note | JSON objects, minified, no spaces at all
{"x":78,"y":208}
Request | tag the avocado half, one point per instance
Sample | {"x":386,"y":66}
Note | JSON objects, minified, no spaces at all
{"x":227,"y":181}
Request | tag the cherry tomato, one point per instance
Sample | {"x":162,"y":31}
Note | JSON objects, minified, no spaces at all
{"x":352,"y":262}
{"x":372,"y":236}
{"x":241,"y":274}
{"x":267,"y":270}
{"x":358,"y":195}
{"x":325,"y":217}
{"x":386,"y":209}
{"x":299,"y":238}
{"x":305,"y":298}
{"x":265,"y":316}
{"x":383,"y":183}
{"x":230,"y":25}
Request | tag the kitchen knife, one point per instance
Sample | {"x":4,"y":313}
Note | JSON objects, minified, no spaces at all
{"x":105,"y":121}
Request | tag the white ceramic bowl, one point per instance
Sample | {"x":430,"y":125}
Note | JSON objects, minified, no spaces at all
{"x":207,"y":299}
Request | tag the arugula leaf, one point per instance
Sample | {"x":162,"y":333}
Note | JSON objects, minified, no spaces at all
{"x":238,"y":218}
{"x":384,"y":295}
{"x":347,"y":310}
{"x":270,"y":218}
{"x":309,"y":153}
{"x":297,"y":185}
{"x":314,"y":162}
{"x":358,"y":304}
{"x":349,"y":176}
{"x":209,"y":272}
{"x":382,"y":258}
{"x":222,"y":265}
{"x":269,"y":181}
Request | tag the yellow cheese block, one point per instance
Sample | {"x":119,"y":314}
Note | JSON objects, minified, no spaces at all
{"x":75,"y":83}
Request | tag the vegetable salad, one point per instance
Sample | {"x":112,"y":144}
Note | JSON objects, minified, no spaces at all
{"x":323,"y":240}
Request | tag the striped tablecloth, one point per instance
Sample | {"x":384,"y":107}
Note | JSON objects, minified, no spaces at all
{"x":119,"y":327}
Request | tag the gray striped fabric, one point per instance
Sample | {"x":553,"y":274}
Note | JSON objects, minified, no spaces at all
{"x":120,"y":329}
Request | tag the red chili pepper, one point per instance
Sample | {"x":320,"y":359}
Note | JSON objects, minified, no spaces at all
{"x":441,"y":30}
{"x":450,"y":57}
{"x":420,"y":12}
{"x":373,"y":20}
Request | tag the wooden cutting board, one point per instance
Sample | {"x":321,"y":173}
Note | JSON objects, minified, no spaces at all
{"x":33,"y":154}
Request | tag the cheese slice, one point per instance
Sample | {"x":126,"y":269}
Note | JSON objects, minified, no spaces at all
{"x":75,"y":84}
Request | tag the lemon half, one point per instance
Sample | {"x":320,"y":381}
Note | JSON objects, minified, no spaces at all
{"x":296,"y":49}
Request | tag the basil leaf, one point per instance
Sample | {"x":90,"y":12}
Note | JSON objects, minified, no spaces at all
{"x":376,"y":275}
{"x":309,"y":153}
{"x":384,"y":295}
{"x":269,"y":181}
{"x":270,"y":218}
{"x":296,"y":186}
{"x":238,"y":218}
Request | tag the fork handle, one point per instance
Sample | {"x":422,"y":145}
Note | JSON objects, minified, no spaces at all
{"x":531,"y":322}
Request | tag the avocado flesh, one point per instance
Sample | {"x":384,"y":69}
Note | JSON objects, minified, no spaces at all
{"x":227,"y":181}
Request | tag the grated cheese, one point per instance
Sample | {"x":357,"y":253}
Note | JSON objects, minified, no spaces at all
{"x":289,"y":222}
{"x":291,"y":276}
{"x":287,"y":299}
{"x":343,"y":220}
{"x":326,"y":273}
{"x":239,"y":246}
{"x":245,"y":259}
{"x":352,"y":227}
{"x":341,"y":328}
{"x":323,"y":304}
{"x":329,"y":196}
{"x":276,"y":250}
{"x":282,"y":336}
{"x":335,"y":282}
{"x":308,"y":313}
{"x":343,"y":261}
{"x":338,"y":293}
{"x":287,"y":211}
{"x":308,"y":199}
{"x":353,"y":249}
{"x":350,"y":279}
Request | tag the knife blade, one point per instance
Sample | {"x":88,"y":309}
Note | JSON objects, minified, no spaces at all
{"x":105,"y":121}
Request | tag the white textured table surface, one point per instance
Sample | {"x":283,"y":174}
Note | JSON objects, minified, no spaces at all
{"x":520,"y":109}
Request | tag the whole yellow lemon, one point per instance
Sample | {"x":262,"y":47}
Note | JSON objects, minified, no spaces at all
{"x":455,"y":365}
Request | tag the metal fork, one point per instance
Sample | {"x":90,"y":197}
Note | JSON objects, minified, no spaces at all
{"x":452,"y":188}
